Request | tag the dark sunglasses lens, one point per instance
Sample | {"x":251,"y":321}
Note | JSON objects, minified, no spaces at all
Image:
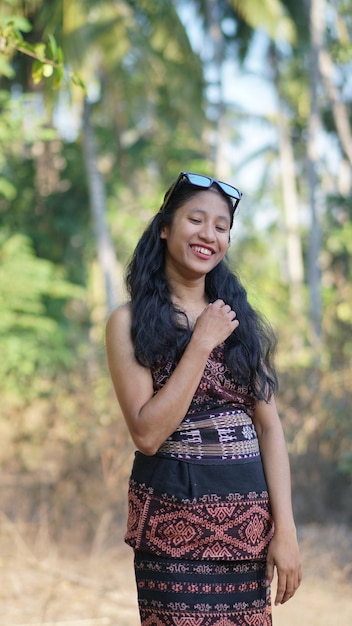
{"x":199,"y":180}
{"x":205,"y":181}
{"x":231,"y":191}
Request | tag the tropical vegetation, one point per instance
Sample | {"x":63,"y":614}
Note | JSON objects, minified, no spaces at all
{"x":102,"y":104}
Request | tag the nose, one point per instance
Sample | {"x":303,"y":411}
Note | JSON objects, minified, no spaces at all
{"x":207,"y":232}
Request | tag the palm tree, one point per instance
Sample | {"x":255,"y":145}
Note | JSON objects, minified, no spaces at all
{"x":332,"y":74}
{"x":314,"y":130}
{"x":144,"y":93}
{"x":278,"y":19}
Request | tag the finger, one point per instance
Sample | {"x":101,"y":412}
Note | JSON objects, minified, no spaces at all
{"x":290,"y":590}
{"x":281,"y":588}
{"x":292,"y":583}
{"x":218,"y":303}
{"x":269,"y":573}
{"x":235,"y":322}
{"x":226,"y":308}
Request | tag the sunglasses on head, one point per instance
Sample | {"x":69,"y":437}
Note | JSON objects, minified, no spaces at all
{"x":204,"y":182}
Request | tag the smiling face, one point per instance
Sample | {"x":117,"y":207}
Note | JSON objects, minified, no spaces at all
{"x":198,"y":237}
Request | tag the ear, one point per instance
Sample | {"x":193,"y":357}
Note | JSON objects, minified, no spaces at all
{"x":164,"y":232}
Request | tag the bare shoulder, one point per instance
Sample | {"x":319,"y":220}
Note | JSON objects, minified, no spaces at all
{"x":120,"y":317}
{"x":118,"y":326}
{"x":119,"y":344}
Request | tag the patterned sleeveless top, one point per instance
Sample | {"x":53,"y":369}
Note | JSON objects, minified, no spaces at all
{"x":218,"y":424}
{"x":216,"y":389}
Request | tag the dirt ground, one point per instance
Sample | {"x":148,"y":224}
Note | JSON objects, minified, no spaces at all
{"x":98,"y":590}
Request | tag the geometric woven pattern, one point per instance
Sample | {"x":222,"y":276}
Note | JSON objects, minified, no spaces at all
{"x":221,"y":434}
{"x":217,"y":388}
{"x":234,"y":527}
{"x":191,"y":593}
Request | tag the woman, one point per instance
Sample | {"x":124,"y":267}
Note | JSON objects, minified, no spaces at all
{"x":210,"y":514}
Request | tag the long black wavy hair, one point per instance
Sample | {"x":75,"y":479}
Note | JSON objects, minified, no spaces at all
{"x":158,"y":332}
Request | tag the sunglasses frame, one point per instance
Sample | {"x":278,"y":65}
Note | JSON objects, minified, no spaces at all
{"x":235,"y":194}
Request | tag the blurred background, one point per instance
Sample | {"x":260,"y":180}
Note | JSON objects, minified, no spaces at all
{"x":102,"y":104}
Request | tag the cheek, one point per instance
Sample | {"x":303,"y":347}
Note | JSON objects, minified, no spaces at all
{"x":226,"y":244}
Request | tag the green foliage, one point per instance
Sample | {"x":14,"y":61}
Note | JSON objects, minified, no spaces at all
{"x":149,"y":117}
{"x":20,"y":127}
{"x":10,"y":35}
{"x":268,"y":14}
{"x":48,"y":57}
{"x":34,"y":317}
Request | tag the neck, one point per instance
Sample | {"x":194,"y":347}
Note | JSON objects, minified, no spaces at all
{"x":188,"y":293}
{"x":189,"y":298}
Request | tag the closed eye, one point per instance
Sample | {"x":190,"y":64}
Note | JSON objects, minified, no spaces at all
{"x":222,"y":229}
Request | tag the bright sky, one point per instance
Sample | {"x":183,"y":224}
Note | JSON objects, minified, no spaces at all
{"x":249,"y":92}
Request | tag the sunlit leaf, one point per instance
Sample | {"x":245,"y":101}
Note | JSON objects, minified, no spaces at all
{"x":37,"y":71}
{"x":53,"y":47}
{"x":58,"y":77}
{"x":47,"y":70}
{"x":40,"y":50}
{"x":7,"y":189}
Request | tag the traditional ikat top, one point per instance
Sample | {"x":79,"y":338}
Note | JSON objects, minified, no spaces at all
{"x":216,"y":389}
{"x":218,"y":423}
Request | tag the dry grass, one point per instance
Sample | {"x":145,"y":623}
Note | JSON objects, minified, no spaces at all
{"x":40,"y":586}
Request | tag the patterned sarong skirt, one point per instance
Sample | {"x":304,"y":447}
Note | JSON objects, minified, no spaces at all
{"x":200,"y":528}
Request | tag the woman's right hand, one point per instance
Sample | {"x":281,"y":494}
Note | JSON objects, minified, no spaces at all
{"x":215,"y":324}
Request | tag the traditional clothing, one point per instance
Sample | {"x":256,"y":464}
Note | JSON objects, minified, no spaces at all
{"x":199,"y":512}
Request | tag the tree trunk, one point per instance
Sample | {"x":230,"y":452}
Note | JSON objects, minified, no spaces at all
{"x":96,"y":186}
{"x":220,"y":160}
{"x":294,"y":254}
{"x":291,"y":212}
{"x":314,"y":129}
{"x":339,"y":109}
{"x":295,"y":268}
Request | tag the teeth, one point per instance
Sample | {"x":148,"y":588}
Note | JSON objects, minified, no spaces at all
{"x":202,"y":250}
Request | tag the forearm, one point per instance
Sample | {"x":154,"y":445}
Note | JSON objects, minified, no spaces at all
{"x":276,"y":466}
{"x":283,"y":552}
{"x":278,"y":477}
{"x":162,"y":414}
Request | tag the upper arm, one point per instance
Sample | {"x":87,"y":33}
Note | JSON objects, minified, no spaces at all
{"x":132,"y":382}
{"x":266,"y":416}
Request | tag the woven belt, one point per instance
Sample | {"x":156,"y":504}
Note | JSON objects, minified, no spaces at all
{"x":225,"y":435}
